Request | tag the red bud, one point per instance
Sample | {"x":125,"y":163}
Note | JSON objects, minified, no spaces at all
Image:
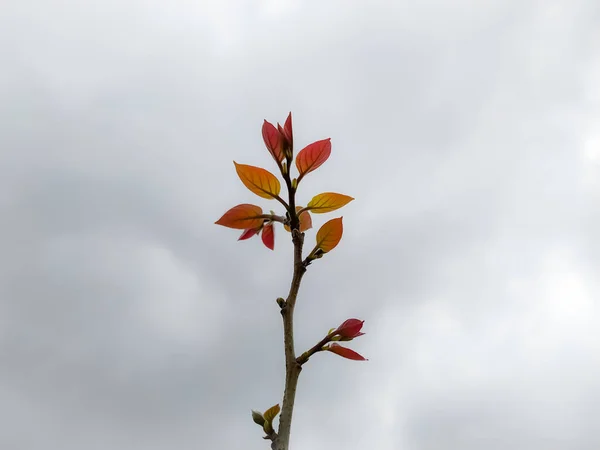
{"x":350,"y":328}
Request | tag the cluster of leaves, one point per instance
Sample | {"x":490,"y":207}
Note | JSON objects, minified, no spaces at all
{"x":251,"y":218}
{"x":347,"y":331}
{"x":265,"y":420}
{"x":297,"y":219}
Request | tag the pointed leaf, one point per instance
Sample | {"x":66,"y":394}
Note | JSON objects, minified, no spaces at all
{"x":260,"y":181}
{"x":312,"y":156}
{"x":271,"y":137}
{"x":346,"y":352}
{"x":287,"y":130}
{"x":271,"y":413}
{"x":329,"y":235}
{"x":242,"y":217}
{"x":327,"y":202}
{"x":305,"y":221}
{"x":247,"y":234}
{"x":268,"y":236}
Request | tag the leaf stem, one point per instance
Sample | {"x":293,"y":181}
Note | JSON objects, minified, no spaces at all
{"x":282,"y":201}
{"x":274,"y":218}
{"x":318,"y":347}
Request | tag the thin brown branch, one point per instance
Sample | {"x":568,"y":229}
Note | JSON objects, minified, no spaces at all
{"x":316,"y":348}
{"x":292,"y":368}
{"x":282,"y":201}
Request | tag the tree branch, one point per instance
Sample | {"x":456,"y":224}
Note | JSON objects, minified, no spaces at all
{"x":292,"y":368}
{"x":316,"y":348}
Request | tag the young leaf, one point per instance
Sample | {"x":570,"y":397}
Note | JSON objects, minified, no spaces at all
{"x":287,"y":130}
{"x":329,"y":235}
{"x":268,"y":236}
{"x":286,"y":146}
{"x":345,"y":352}
{"x":260,"y":181}
{"x":305,"y":221}
{"x":271,"y":137}
{"x":350,"y":329}
{"x":258,"y":418}
{"x":327,"y":202}
{"x":247,"y":234}
{"x":271,"y":413}
{"x":242,"y":217}
{"x":312,"y":156}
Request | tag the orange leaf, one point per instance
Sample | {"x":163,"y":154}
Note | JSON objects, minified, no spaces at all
{"x":346,"y":352}
{"x":305,"y":221}
{"x":329,"y":235}
{"x":327,"y":202}
{"x":271,"y":137}
{"x":312,"y":156}
{"x":242,"y":217}
{"x":260,"y":181}
{"x":268,"y":236}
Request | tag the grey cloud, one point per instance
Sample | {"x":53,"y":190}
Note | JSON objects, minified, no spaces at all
{"x":128,"y":319}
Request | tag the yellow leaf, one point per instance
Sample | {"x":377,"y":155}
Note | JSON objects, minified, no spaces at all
{"x":327,"y":202}
{"x":271,"y":413}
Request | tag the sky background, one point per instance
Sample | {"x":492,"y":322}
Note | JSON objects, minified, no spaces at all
{"x":468,"y":132}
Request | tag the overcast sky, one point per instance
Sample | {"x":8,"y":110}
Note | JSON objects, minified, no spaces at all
{"x":468,"y":132}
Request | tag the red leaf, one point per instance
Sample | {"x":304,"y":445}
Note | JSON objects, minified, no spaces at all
{"x":287,"y":130}
{"x":260,"y":181}
{"x":346,"y":352}
{"x":272,"y":138}
{"x":350,"y":328}
{"x":330,"y":234}
{"x":268,"y":236}
{"x":247,"y":234}
{"x":312,"y":156}
{"x":242,"y":217}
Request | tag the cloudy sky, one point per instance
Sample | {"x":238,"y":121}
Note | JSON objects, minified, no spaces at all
{"x":468,"y":132}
